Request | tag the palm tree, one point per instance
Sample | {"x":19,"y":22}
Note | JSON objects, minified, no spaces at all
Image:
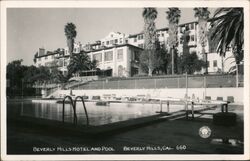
{"x":80,"y":62}
{"x":173,"y":16}
{"x":149,"y":15}
{"x":70,"y":33}
{"x":203,"y":15}
{"x":228,"y":28}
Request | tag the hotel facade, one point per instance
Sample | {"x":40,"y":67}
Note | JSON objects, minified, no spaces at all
{"x":119,"y":52}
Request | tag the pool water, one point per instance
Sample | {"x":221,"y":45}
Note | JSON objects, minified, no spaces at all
{"x":98,"y":115}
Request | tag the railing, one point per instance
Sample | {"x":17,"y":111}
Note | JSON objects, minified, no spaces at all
{"x":223,"y":104}
{"x":85,"y":110}
{"x":73,"y":104}
{"x":224,"y":107}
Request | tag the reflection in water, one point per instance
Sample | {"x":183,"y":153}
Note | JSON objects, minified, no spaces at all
{"x":98,"y":115}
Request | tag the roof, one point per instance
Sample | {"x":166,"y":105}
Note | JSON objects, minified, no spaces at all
{"x":115,"y":46}
{"x":161,"y":29}
{"x":47,"y":54}
{"x":183,"y":24}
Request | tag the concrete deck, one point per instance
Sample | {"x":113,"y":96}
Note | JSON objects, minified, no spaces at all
{"x":162,"y":136}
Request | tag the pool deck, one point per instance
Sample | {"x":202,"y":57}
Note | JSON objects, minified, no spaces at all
{"x":150,"y":135}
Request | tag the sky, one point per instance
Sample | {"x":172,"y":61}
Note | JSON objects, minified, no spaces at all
{"x":31,"y":28}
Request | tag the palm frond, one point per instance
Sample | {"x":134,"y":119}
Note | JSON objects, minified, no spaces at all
{"x":227,"y":26}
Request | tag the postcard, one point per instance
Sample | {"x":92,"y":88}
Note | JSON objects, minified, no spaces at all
{"x":124,"y":80}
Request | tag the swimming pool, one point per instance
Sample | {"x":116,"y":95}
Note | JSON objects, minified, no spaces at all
{"x":98,"y":115}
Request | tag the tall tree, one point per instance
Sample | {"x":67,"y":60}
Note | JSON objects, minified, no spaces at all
{"x":202,"y":14}
{"x":149,"y":15}
{"x":162,"y":58}
{"x":190,"y":63}
{"x":70,"y":33}
{"x":228,"y":28}
{"x":80,"y":62}
{"x":173,"y":16}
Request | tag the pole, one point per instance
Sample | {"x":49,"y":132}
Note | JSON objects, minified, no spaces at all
{"x":186,"y":85}
{"x":192,"y":106}
{"x":237,"y":76}
{"x":205,"y":86}
{"x":22,"y":87}
{"x":168,"y":106}
{"x":172,"y":60}
{"x":161,"y":106}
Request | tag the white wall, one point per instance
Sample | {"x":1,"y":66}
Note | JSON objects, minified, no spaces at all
{"x":237,"y":93}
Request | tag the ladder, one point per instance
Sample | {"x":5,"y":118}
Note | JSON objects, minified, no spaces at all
{"x":73,"y":105}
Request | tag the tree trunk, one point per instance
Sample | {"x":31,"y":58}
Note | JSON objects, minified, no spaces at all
{"x":237,"y":75}
{"x":204,"y":54}
{"x":150,"y":66}
{"x":172,"y":52}
{"x":70,"y":43}
{"x":150,"y":71}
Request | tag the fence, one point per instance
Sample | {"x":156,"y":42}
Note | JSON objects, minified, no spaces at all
{"x":209,"y":81}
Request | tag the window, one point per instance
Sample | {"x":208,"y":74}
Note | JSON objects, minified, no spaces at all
{"x":97,"y":57}
{"x":182,"y":29}
{"x":120,"y":54}
{"x":140,"y":37}
{"x":141,"y":45}
{"x":108,"y":56}
{"x":120,"y":70}
{"x":215,"y":63}
{"x":135,"y":39}
{"x":120,"y":40}
{"x":111,"y":42}
{"x":107,"y":42}
{"x":192,"y":26}
{"x":158,"y":35}
{"x":116,"y":41}
{"x":136,"y":55}
{"x":187,"y":38}
{"x":192,"y":37}
{"x":181,"y":40}
{"x":162,"y":34}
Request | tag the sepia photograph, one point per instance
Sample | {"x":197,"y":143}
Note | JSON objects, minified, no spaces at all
{"x":111,"y":80}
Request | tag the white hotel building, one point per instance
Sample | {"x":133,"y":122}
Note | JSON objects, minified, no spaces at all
{"x":120,"y":52}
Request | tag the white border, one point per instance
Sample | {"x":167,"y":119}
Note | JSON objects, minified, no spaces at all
{"x":122,"y":4}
